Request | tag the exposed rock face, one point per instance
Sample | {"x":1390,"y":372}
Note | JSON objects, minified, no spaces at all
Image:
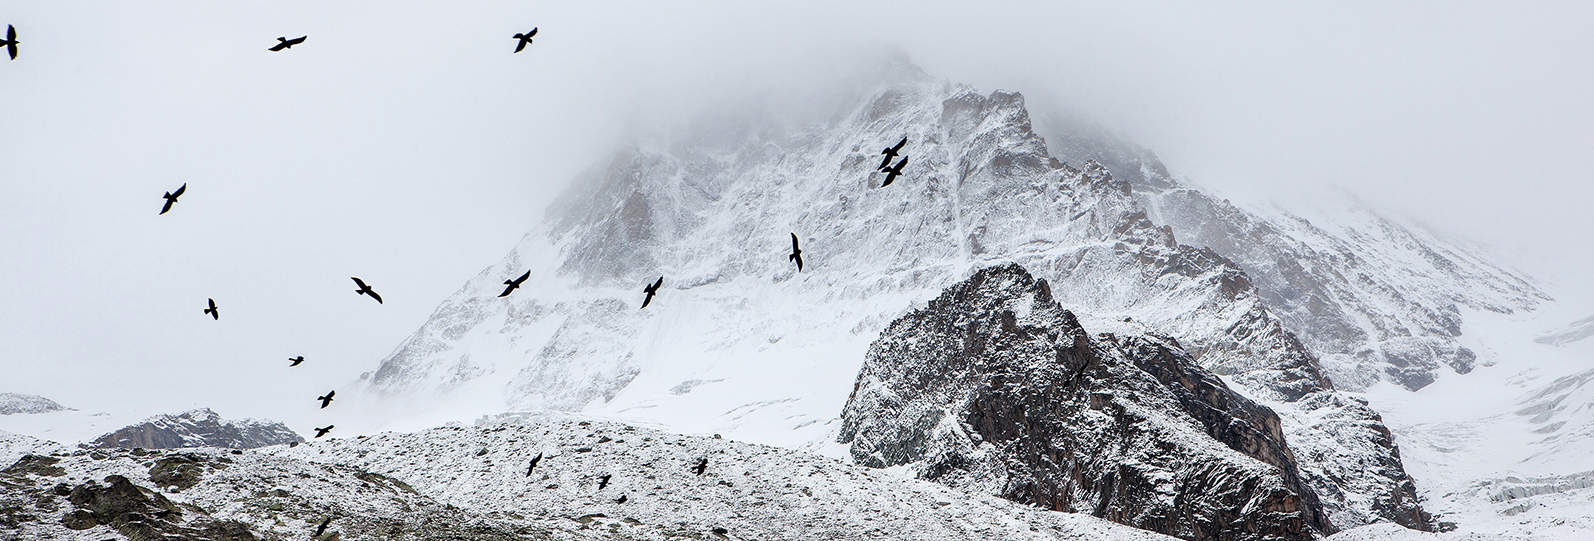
{"x":197,"y":428}
{"x":13,"y":403}
{"x":140,"y":513}
{"x":994,"y":387}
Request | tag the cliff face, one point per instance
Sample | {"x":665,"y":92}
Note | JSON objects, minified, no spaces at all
{"x":197,"y":428}
{"x":994,"y":387}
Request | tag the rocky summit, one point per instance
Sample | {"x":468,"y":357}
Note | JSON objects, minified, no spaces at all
{"x":197,"y":428}
{"x":994,"y":387}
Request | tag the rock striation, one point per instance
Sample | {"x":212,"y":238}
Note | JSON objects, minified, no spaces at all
{"x":994,"y":387}
{"x":197,"y":428}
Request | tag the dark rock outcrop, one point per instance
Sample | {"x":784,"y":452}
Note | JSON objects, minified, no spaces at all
{"x":140,"y":513}
{"x":994,"y":387}
{"x":197,"y":428}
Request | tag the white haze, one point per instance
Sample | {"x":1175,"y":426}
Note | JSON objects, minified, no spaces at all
{"x":404,"y":144}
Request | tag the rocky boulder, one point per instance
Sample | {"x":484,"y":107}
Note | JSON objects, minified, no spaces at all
{"x":994,"y":387}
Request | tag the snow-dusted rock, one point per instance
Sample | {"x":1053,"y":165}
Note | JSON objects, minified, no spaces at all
{"x":197,"y":428}
{"x":13,"y":403}
{"x":1575,"y":331}
{"x":995,"y":388}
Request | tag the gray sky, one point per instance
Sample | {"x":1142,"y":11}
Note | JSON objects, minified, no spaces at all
{"x":404,"y":144}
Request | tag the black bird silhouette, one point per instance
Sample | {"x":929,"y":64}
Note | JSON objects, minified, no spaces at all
{"x":171,"y":197}
{"x":323,"y":527}
{"x":620,"y":499}
{"x":514,"y":284}
{"x":365,"y":289}
{"x":323,"y":431}
{"x":891,"y":152}
{"x":296,"y":360}
{"x":796,"y":253}
{"x":651,"y":291}
{"x":325,"y":400}
{"x":604,"y":481}
{"x":525,"y":39}
{"x":534,"y":461}
{"x":213,"y":311}
{"x":11,"y":41}
{"x":702,"y":465}
{"x":894,"y":171}
{"x":285,"y":43}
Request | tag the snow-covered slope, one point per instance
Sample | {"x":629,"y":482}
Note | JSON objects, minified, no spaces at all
{"x":197,"y":428}
{"x":1575,"y":331}
{"x":1374,"y":298}
{"x":740,"y":343}
{"x":13,"y":403}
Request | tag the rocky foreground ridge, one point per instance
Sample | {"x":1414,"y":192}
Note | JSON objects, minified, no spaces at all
{"x":994,"y":387}
{"x":595,"y":480}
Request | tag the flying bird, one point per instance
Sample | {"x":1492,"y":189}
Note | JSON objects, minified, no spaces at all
{"x":285,"y":43}
{"x":621,"y":499}
{"x":171,"y":197}
{"x":365,"y":289}
{"x":891,"y":152}
{"x":534,"y":461}
{"x":325,"y":400}
{"x":894,"y":171}
{"x":796,"y":253}
{"x":525,"y":39}
{"x":323,"y":527}
{"x":702,"y":465}
{"x":651,"y":291}
{"x":11,"y":41}
{"x":514,"y":284}
{"x":604,"y":481}
{"x":323,"y":431}
{"x":296,"y":360}
{"x":213,"y":311}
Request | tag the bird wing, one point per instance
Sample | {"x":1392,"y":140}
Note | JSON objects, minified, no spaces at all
{"x":533,"y":32}
{"x":360,"y":283}
{"x":180,"y":190}
{"x":212,"y":303}
{"x":330,"y":393}
{"x":658,"y":283}
{"x":279,"y":46}
{"x":12,"y":48}
{"x":794,"y":242}
{"x":167,"y":206}
{"x":899,"y":146}
{"x":377,"y":297}
{"x":297,"y":40}
{"x":520,"y":46}
{"x":522,"y":278}
{"x":11,"y":33}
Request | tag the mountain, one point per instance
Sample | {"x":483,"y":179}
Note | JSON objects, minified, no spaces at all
{"x":1577,"y":330}
{"x":995,"y":388}
{"x":1373,"y":298}
{"x":13,"y":403}
{"x":472,"y":483}
{"x":762,"y":352}
{"x":197,"y":428}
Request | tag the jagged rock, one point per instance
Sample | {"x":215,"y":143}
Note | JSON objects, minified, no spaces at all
{"x":13,"y":403}
{"x":994,"y":387}
{"x":197,"y":428}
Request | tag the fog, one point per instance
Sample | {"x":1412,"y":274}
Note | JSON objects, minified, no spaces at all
{"x":403,"y":143}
